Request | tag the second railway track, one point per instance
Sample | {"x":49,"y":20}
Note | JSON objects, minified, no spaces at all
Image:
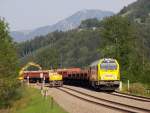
{"x":125,"y":95}
{"x":103,"y":102}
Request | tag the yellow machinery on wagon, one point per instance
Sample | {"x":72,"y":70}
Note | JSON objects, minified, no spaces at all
{"x":21,"y":77}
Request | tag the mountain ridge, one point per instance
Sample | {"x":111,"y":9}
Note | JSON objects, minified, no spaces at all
{"x":66,"y":24}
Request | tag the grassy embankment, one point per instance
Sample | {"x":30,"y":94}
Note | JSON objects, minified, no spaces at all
{"x":33,"y":102}
{"x":136,"y":89}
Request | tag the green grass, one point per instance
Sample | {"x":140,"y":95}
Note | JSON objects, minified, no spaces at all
{"x":136,"y":89}
{"x":33,"y":102}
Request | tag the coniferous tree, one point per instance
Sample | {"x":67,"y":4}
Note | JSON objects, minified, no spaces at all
{"x":8,"y":65}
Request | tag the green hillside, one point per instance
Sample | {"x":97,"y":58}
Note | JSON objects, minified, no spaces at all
{"x":73,"y":48}
{"x":138,"y":11}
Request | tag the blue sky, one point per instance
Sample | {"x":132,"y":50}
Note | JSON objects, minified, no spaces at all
{"x":30,"y":14}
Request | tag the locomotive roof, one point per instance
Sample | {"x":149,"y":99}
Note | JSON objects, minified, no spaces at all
{"x":106,"y":60}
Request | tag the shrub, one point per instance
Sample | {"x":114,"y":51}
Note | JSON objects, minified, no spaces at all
{"x":137,"y":88}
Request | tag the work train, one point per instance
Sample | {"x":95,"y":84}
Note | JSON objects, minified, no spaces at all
{"x":103,"y":74}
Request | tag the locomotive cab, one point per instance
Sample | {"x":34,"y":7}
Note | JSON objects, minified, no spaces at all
{"x":105,"y":74}
{"x":55,"y":79}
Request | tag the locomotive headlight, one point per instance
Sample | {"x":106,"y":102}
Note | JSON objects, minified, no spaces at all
{"x":114,"y":76}
{"x":103,"y":77}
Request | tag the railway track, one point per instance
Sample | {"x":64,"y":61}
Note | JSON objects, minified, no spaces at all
{"x":103,"y":102}
{"x":134,"y":97}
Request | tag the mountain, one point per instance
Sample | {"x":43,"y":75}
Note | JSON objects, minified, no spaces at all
{"x":69,"y":23}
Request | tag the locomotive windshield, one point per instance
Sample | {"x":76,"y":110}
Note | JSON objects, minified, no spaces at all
{"x":108,"y":66}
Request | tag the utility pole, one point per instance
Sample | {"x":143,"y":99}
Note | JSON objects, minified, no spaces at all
{"x":28,"y":80}
{"x":128,"y":86}
{"x":143,"y":54}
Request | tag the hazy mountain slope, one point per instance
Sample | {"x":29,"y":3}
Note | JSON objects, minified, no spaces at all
{"x":64,"y":25}
{"x":139,"y":11}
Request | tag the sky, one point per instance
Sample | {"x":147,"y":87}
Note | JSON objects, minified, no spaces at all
{"x":31,"y":14}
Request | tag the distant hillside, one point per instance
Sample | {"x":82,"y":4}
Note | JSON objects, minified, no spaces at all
{"x":64,"y":25}
{"x":138,"y":11}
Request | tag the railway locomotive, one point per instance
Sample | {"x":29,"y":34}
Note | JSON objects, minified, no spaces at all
{"x":104,"y":74}
{"x":55,"y":79}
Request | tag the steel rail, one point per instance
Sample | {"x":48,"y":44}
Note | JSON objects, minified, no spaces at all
{"x":131,"y":96}
{"x":112,"y":102}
